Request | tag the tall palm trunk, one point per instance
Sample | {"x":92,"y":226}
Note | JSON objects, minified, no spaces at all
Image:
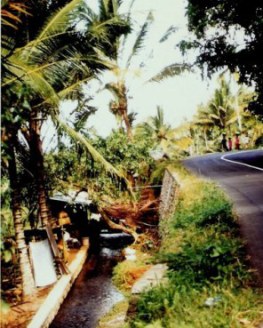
{"x":24,"y":263}
{"x":123,"y":109}
{"x":239,"y":117}
{"x":38,"y":163}
{"x":206,"y":141}
{"x":127,"y":123}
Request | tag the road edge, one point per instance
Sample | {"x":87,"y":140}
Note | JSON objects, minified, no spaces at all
{"x":223,"y":158}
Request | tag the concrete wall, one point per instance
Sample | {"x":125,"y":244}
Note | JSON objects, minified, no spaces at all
{"x":50,"y":307}
{"x":169,"y":192}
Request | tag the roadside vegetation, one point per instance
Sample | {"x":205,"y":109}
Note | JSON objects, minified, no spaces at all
{"x":210,"y":283}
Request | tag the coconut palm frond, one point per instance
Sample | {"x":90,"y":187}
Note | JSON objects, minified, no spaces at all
{"x":214,"y":116}
{"x":100,"y":31}
{"x":132,"y":117}
{"x":115,"y":6}
{"x":160,"y":116}
{"x":7,"y":45}
{"x":122,"y":43}
{"x":81,"y":116}
{"x":93,"y":152}
{"x":104,"y":8}
{"x":82,"y":112}
{"x":130,"y":8}
{"x":86,"y":14}
{"x":204,"y":122}
{"x":108,"y":8}
{"x":7,"y":23}
{"x":140,"y":39}
{"x":27,"y":47}
{"x":20,"y":8}
{"x":222,"y":109}
{"x":113,"y":89}
{"x":232,"y":120}
{"x":74,"y":87}
{"x":212,"y":107}
{"x":172,"y":29}
{"x":170,"y":71}
{"x":56,"y":23}
{"x":103,"y":59}
{"x":67,"y":92}
{"x":35,"y":80}
{"x":11,"y":12}
{"x":30,"y":70}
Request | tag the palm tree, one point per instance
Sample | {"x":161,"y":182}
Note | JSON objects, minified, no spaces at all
{"x":218,"y":116}
{"x":15,"y":188}
{"x":57,"y":61}
{"x":44,"y":64}
{"x":122,"y":68}
{"x":161,"y":133}
{"x":157,"y":127}
{"x":224,"y":113}
{"x":30,"y":65}
{"x":205,"y":123}
{"x":241,"y":101}
{"x":220,"y":108}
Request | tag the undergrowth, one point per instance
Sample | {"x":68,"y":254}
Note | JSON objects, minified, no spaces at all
{"x":127,"y":272}
{"x":210,"y":283}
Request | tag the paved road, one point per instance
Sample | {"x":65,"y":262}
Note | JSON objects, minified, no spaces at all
{"x":240,"y":174}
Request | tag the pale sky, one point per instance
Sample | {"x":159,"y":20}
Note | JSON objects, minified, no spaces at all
{"x":178,"y":96}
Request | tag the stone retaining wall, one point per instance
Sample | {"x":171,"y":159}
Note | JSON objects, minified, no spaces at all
{"x":169,"y":194}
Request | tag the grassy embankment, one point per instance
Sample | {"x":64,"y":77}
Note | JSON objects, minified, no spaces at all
{"x":210,"y":283}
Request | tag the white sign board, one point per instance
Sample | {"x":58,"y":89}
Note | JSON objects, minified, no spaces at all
{"x":43,"y":266}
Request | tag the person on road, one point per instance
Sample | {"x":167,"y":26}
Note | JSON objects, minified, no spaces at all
{"x":237,"y":142}
{"x":229,"y":144}
{"x":224,"y":142}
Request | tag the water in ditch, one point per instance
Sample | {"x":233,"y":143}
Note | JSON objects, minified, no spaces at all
{"x":93,"y":293}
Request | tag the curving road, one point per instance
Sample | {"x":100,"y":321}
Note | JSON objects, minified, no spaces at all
{"x":240,"y":174}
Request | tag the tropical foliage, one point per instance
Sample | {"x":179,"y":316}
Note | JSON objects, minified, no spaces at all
{"x":225,"y":113}
{"x":41,"y":64}
{"x":229,"y":34}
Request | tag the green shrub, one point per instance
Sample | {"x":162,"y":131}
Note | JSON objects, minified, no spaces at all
{"x":170,"y":307}
{"x":203,"y":204}
{"x":207,"y":261}
{"x":215,"y":259}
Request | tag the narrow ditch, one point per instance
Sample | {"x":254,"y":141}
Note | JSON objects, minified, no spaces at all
{"x":93,"y":293}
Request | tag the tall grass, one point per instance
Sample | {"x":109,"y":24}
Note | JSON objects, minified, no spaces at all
{"x":210,"y":283}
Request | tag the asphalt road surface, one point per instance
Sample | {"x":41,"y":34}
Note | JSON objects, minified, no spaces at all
{"x":240,"y":174}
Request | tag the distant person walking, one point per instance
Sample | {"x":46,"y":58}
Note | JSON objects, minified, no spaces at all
{"x":223,"y":143}
{"x":237,"y":142}
{"x":230,"y":145}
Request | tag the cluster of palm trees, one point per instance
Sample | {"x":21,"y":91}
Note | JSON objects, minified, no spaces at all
{"x":50,"y":49}
{"x":46,"y":58}
{"x":226,"y":113}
